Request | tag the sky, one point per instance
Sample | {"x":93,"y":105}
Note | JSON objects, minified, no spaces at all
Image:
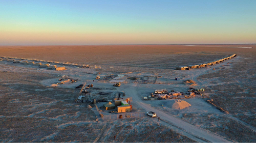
{"x":99,"y":22}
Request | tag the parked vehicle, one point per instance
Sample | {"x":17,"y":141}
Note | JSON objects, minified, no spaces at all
{"x":151,"y":114}
{"x":117,"y":84}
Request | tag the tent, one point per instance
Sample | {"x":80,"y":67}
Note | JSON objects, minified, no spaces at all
{"x":180,"y":104}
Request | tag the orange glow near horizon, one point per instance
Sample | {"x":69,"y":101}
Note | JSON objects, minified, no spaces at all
{"x":85,"y":22}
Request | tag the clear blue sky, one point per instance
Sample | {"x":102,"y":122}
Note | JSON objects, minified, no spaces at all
{"x":79,"y":22}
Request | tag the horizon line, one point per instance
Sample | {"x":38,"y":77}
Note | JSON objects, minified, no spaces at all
{"x":123,"y":44}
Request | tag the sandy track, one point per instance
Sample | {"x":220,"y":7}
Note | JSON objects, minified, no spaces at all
{"x":198,"y":133}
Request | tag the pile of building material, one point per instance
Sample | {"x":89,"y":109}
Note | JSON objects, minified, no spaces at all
{"x":180,"y":104}
{"x":163,"y":94}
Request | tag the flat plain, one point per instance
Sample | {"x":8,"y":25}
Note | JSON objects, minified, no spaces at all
{"x":33,"y":110}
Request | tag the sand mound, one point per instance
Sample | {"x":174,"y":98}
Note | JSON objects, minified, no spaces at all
{"x":180,"y":104}
{"x":190,"y":81}
{"x":54,"y":85}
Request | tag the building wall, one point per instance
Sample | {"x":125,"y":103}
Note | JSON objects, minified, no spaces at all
{"x":117,"y":102}
{"x":60,"y":68}
{"x":121,"y":109}
{"x":110,"y":108}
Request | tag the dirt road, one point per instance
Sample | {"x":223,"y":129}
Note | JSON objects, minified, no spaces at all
{"x":130,"y":91}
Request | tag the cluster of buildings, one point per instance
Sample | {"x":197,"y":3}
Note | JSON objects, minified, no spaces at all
{"x":206,"y":64}
{"x":51,"y":65}
{"x":120,"y":104}
{"x":164,"y":94}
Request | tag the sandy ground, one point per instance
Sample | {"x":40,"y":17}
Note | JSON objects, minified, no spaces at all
{"x":48,"y":113}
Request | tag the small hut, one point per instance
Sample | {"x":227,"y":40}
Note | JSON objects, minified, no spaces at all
{"x":205,"y":65}
{"x":183,"y":68}
{"x":209,"y":64}
{"x":201,"y":65}
{"x":217,"y":62}
{"x":194,"y":66}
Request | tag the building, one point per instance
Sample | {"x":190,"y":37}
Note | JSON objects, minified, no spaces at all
{"x":209,"y":64}
{"x":54,"y":67}
{"x":60,"y":68}
{"x":123,"y":105}
{"x":201,"y":65}
{"x":109,"y":106}
{"x":124,"y":108}
{"x":118,"y":101}
{"x":194,"y":66}
{"x":183,"y":68}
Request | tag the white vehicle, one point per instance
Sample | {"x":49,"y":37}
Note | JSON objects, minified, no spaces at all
{"x":151,"y":114}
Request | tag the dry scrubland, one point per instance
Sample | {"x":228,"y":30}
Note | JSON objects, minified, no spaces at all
{"x":33,"y":112}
